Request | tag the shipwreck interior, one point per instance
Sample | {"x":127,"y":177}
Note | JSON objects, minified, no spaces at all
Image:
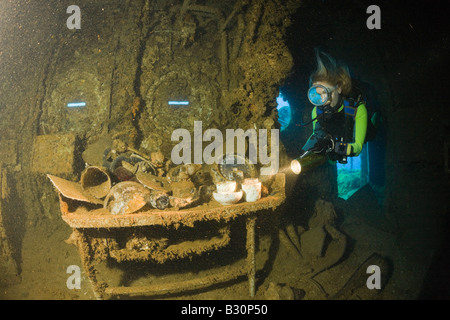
{"x":92,"y":116}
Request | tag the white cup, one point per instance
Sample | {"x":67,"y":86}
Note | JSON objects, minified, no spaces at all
{"x":250,"y":181}
{"x":252,"y":191}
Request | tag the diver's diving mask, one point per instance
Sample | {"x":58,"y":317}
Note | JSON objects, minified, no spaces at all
{"x":319,"y":95}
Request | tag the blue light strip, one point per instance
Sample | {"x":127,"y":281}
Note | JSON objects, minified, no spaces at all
{"x":76,"y":104}
{"x":178,"y":103}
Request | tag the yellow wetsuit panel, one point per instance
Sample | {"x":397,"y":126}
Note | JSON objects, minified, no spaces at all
{"x":360,"y":130}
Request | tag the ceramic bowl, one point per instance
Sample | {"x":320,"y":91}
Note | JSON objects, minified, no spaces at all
{"x":227,"y":198}
{"x":227,"y":186}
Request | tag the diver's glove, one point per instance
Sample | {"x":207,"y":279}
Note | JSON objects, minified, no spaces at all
{"x":323,"y":145}
{"x":343,"y":148}
{"x":341,"y":151}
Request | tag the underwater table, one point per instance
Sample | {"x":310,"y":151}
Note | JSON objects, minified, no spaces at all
{"x":146,"y":236}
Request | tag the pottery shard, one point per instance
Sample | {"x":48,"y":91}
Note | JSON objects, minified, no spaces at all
{"x":183,"y":189}
{"x":54,"y":154}
{"x":72,"y":190}
{"x":153,"y":182}
{"x":313,"y":242}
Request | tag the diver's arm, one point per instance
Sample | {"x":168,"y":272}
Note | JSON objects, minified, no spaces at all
{"x":355,"y":148}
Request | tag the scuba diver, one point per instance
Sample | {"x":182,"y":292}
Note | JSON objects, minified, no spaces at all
{"x":339,"y":117}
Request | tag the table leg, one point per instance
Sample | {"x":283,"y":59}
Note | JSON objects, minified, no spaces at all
{"x":88,"y":265}
{"x":251,"y":222}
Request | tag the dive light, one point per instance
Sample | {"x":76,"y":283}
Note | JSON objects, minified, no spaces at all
{"x":306,"y":162}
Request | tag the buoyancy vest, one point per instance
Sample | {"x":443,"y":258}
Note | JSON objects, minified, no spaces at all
{"x":340,"y":125}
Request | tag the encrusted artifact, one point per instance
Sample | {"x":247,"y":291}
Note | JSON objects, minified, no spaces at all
{"x":127,"y":197}
{"x":96,"y":182}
